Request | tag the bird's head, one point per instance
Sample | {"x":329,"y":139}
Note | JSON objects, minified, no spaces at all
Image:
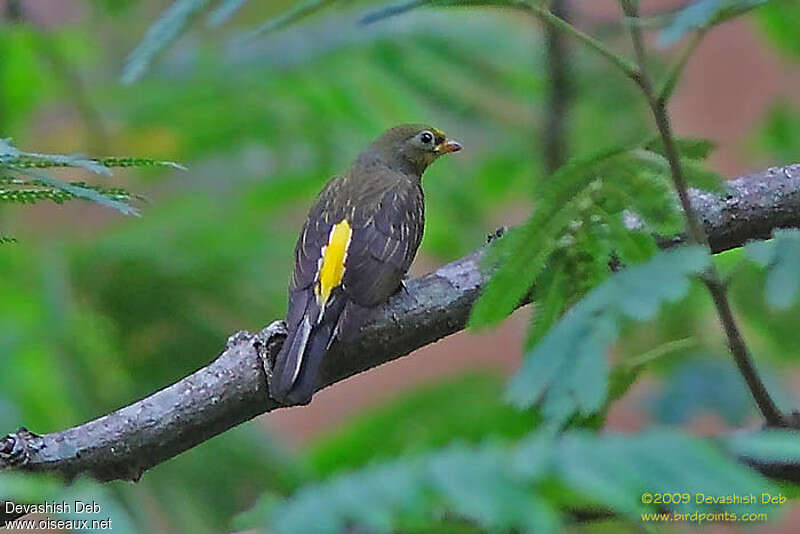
{"x":411,"y":148}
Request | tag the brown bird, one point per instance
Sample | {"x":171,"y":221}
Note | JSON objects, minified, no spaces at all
{"x":357,"y":244}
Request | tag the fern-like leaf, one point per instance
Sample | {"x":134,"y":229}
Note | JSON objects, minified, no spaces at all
{"x":23,"y":195}
{"x":702,"y":14}
{"x":567,"y":371}
{"x":303,"y":9}
{"x":504,"y":487}
{"x":696,"y":175}
{"x":520,"y":256}
{"x":781,"y":257}
{"x":165,"y":30}
{"x":78,"y":191}
{"x":223,"y":12}
{"x":688,"y":147}
{"x":24,"y":169}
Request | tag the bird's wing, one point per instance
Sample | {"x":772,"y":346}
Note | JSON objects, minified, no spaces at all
{"x":383,"y":248}
{"x":373,"y":227}
{"x":316,"y":232}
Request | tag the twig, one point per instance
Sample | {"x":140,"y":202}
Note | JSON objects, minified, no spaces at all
{"x":544,"y":14}
{"x":554,"y":134}
{"x":696,"y":232}
{"x":232,"y":389}
{"x":674,"y":73}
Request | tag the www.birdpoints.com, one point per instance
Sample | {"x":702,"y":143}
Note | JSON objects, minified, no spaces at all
{"x":72,"y":508}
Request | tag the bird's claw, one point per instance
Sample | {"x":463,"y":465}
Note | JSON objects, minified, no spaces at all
{"x":497,"y":234}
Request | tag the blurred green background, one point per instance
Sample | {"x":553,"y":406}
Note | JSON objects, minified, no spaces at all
{"x":98,"y":310}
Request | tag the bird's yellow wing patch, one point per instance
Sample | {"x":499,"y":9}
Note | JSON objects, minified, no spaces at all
{"x":332,"y":260}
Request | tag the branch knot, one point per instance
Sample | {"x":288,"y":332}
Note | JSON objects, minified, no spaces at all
{"x":16,"y":448}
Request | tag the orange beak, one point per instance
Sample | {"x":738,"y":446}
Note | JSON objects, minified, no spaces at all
{"x":447,"y":146}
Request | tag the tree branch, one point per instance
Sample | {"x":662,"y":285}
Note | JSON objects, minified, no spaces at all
{"x":558,"y":24}
{"x":233,"y":388}
{"x":559,"y":87}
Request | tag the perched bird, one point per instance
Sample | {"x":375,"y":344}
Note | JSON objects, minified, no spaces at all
{"x":357,"y":244}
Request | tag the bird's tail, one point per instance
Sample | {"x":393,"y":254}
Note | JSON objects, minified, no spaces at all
{"x":295,"y":375}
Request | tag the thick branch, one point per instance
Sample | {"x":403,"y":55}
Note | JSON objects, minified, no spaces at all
{"x":233,"y":388}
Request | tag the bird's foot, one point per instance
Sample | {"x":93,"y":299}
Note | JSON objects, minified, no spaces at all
{"x":497,"y":234}
{"x":268,"y":343}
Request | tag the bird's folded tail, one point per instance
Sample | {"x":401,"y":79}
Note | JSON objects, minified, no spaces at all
{"x":295,"y":375}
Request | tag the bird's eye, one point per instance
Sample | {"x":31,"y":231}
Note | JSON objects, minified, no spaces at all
{"x":426,"y":137}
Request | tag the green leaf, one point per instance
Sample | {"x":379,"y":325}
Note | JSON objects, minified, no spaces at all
{"x":30,"y":195}
{"x":164,"y":30}
{"x":688,"y":147}
{"x":777,"y":137}
{"x":781,"y":21}
{"x":391,"y":11}
{"x":567,"y":371}
{"x":11,"y":156}
{"x":616,"y":470}
{"x":625,"y":374}
{"x":300,"y":11}
{"x":766,"y":445}
{"x":398,"y":9}
{"x":27,"y":164}
{"x":480,"y":485}
{"x":127,"y":162}
{"x":224,"y":11}
{"x":781,"y":257}
{"x":693,"y":171}
{"x":702,"y":14}
{"x":503,"y":486}
{"x":97,"y":166}
{"x":80,"y":192}
{"x":521,"y":255}
{"x":43,"y":161}
{"x":257,"y":515}
{"x":550,"y":304}
{"x":701,"y":178}
{"x":466,"y":407}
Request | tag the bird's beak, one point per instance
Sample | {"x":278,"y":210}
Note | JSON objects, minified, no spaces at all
{"x":447,"y":146}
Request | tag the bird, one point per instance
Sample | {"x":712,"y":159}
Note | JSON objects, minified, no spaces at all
{"x":356,"y":246}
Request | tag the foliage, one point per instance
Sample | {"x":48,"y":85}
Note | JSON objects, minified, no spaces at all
{"x":703,"y":14}
{"x":21,"y":181}
{"x":506,"y":487}
{"x":781,"y":21}
{"x":567,"y":370}
{"x":467,"y":408}
{"x":225,"y":10}
{"x":781,"y":256}
{"x":165,"y":30}
{"x":580,"y":220}
{"x":777,"y":137}
{"x":709,"y":385}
